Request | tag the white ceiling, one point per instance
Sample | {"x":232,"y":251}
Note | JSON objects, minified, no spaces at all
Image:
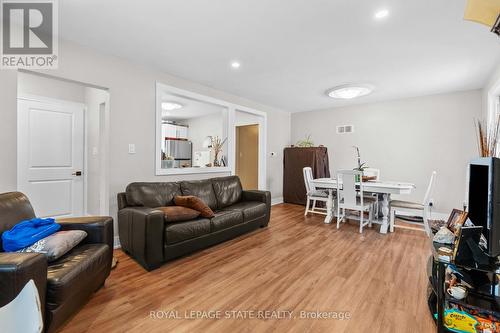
{"x":291,"y":51}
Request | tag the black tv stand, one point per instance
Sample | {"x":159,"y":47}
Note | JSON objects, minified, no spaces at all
{"x":483,"y":298}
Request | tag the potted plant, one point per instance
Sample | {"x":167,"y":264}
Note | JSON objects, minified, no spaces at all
{"x":305,"y":143}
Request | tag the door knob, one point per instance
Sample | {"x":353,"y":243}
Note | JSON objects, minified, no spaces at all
{"x":77,"y":173}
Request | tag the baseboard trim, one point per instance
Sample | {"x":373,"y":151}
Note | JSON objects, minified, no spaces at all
{"x":116,"y":243}
{"x":276,"y":201}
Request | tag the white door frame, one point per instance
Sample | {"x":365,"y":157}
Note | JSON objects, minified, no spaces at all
{"x":104,"y":189}
{"x":493,"y":107}
{"x":104,"y":157}
{"x":493,"y":96}
{"x":262,"y":143}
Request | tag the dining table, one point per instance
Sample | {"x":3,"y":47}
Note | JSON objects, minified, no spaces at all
{"x":384,"y":189}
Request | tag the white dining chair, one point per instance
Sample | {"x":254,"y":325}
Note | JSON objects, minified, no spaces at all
{"x":415,"y":209}
{"x":372,"y":172}
{"x":313,"y":194}
{"x":349,"y":197}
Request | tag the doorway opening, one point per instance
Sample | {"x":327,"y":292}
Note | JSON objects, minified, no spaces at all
{"x":247,"y":156}
{"x":62,"y":133}
{"x":249,"y":150}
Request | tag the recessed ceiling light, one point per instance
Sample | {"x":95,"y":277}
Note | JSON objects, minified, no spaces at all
{"x":170,"y":106}
{"x":235,"y":65}
{"x":349,"y":91}
{"x":380,"y":14}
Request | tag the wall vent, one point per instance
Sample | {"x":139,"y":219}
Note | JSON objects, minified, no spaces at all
{"x":345,"y":129}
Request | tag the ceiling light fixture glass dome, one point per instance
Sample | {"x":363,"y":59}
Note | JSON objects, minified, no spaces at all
{"x":171,"y":106}
{"x":350,"y":91}
{"x":383,"y":13}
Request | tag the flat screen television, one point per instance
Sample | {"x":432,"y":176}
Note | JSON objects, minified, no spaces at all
{"x":484,"y":200}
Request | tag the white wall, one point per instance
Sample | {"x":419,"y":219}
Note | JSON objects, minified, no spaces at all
{"x":201,"y":127}
{"x":8,"y":130}
{"x":42,"y":86}
{"x":407,"y":139}
{"x":132,"y":112}
{"x":244,"y":118}
{"x":278,"y":137}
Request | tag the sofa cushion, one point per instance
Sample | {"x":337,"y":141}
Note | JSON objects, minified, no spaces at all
{"x":406,"y":204}
{"x":190,"y":201}
{"x":57,"y":244}
{"x":75,"y":272}
{"x":227,"y":190}
{"x":178,"y":213}
{"x":178,"y":232}
{"x":202,"y":189}
{"x":226,"y":219}
{"x":152,"y":194}
{"x":251,"y":209}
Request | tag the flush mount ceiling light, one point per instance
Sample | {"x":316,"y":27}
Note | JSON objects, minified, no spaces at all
{"x":380,"y":14}
{"x":486,"y":12}
{"x":170,"y":106}
{"x":235,"y":65}
{"x":349,"y":91}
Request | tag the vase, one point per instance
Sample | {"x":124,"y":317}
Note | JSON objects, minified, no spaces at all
{"x":357,"y":178}
{"x":216,"y":160}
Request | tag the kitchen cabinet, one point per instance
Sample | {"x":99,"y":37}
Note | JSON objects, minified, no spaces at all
{"x":174,"y":131}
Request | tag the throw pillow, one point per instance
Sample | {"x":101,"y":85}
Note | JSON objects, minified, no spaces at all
{"x":57,"y":244}
{"x":190,"y":201}
{"x":178,"y":213}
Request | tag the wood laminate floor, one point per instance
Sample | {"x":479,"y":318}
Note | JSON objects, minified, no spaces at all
{"x":296,"y":264}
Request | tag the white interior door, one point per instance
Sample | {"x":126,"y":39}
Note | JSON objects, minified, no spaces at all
{"x":51,"y":156}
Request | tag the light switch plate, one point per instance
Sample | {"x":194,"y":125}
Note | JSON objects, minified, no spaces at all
{"x":131,"y":148}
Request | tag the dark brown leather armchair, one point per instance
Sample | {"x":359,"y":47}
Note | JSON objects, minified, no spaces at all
{"x":145,"y":235}
{"x":65,"y":284}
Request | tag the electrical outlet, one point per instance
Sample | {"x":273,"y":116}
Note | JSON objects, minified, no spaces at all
{"x":131,"y":148}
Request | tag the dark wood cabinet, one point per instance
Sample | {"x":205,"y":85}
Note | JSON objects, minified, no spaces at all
{"x":294,"y":160}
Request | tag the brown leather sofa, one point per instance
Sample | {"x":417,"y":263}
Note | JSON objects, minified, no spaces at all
{"x":147,"y":238}
{"x":65,"y":284}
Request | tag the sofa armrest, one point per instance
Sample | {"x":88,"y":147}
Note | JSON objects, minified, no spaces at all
{"x":261,"y":196}
{"x":254,"y":195}
{"x":121,"y":199}
{"x":141,"y":232}
{"x":99,"y":229}
{"x":17,"y":269}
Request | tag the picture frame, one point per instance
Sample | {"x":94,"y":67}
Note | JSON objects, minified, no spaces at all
{"x":456,"y":220}
{"x":466,"y":249}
